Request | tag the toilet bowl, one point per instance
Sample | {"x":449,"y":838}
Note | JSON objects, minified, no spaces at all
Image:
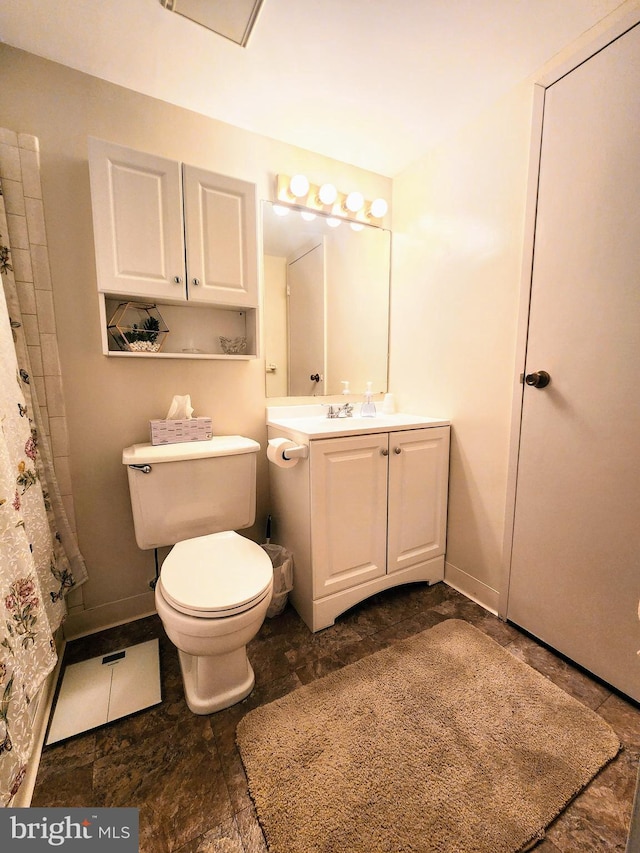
{"x":212,"y":597}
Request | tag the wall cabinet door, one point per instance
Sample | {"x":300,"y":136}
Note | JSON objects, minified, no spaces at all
{"x":418,"y":482}
{"x":137,"y":220}
{"x":348,"y":511}
{"x":221,"y":238}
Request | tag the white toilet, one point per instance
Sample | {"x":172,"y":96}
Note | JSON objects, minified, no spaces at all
{"x":215,"y":585}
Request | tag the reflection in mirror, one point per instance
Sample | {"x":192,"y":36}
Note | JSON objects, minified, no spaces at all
{"x":326,"y":305}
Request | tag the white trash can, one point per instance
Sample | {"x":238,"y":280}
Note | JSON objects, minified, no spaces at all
{"x":282,"y":562}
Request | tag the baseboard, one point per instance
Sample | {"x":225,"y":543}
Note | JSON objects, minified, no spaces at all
{"x":85,"y":622}
{"x":473,"y":588}
{"x":22,"y":799}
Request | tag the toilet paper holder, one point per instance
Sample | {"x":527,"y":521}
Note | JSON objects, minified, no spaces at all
{"x":300,"y":451}
{"x":285,"y":453}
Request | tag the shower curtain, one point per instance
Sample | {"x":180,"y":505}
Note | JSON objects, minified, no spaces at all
{"x":39,"y":557}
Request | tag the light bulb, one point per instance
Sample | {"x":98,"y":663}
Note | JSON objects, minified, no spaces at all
{"x":354,"y":202}
{"x":357,"y":226}
{"x":332,"y":222}
{"x":378,"y":208}
{"x":279,"y":210}
{"x":299,"y":186}
{"x":327,"y":194}
{"x":307,"y":215}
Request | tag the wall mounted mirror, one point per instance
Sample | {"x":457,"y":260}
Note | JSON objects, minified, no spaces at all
{"x":326,"y":305}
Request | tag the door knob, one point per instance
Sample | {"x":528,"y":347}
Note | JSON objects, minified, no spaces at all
{"x":539,"y":379}
{"x":384,"y":452}
{"x":315,"y":377}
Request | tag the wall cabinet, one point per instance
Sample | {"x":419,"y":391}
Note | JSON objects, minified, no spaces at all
{"x":362,"y":514}
{"x":173,"y":234}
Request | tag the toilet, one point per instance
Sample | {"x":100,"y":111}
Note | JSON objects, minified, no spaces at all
{"x":215,"y":585}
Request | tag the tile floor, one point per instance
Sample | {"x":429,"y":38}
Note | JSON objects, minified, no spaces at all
{"x":185,"y":774}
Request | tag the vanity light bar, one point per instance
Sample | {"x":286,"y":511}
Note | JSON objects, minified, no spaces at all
{"x":353,"y":207}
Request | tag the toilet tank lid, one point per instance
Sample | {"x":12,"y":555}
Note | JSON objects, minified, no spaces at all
{"x":219,"y":445}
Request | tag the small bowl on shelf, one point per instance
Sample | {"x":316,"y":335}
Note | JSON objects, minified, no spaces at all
{"x":233,"y":346}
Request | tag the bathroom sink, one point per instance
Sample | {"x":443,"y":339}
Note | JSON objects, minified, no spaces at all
{"x":312,"y":421}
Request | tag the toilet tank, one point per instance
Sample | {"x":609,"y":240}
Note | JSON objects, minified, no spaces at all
{"x":179,"y":491}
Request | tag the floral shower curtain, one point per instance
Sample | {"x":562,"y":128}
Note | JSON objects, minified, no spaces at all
{"x":39,"y":558}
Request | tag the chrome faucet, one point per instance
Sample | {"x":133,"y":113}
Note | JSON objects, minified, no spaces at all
{"x":345,"y":411}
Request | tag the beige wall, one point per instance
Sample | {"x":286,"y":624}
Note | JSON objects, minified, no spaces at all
{"x":110,"y":400}
{"x":458,"y":232}
{"x":357,"y":283}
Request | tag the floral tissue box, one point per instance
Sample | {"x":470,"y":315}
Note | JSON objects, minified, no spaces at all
{"x":187,"y":429}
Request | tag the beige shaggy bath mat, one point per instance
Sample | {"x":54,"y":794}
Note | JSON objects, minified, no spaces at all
{"x":444,"y":742}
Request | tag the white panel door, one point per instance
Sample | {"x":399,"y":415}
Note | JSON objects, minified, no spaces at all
{"x":220,"y":227}
{"x":575,"y":572}
{"x":348,"y":511}
{"x":137,"y":220}
{"x":306,"y":319}
{"x":418,"y":482}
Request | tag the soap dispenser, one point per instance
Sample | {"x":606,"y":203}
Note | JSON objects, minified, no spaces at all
{"x":345,"y":386}
{"x":368,"y":408}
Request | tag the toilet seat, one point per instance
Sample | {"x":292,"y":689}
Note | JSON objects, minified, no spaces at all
{"x":214,"y":576}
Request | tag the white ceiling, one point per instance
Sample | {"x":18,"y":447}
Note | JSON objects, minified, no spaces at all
{"x":375,"y":83}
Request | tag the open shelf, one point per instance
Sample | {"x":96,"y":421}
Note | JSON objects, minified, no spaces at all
{"x":194,"y":330}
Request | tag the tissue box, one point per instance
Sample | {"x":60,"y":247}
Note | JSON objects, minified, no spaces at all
{"x":187,"y":429}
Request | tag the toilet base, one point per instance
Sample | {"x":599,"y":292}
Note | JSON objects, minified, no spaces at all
{"x":214,"y":682}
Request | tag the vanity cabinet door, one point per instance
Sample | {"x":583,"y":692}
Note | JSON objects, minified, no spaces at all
{"x":348,"y":511}
{"x":137,"y":220}
{"x":221,"y":238}
{"x":418,"y":482}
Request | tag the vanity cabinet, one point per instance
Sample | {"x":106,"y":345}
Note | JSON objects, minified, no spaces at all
{"x":362,"y":514}
{"x":173,"y":234}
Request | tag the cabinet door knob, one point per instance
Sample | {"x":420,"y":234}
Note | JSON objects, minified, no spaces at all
{"x":384,"y":452}
{"x":397,"y":450}
{"x":196,"y":281}
{"x":177,"y":279}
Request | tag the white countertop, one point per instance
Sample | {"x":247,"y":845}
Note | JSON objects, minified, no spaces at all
{"x":312,"y":421}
